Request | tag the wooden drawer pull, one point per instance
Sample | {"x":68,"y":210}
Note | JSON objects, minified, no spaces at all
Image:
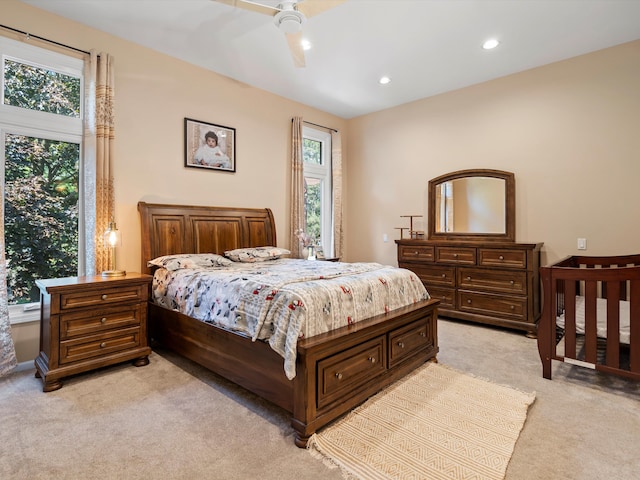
{"x":501,"y":257}
{"x":417,"y":253}
{"x":401,"y":344}
{"x":511,"y":282}
{"x":468,"y":278}
{"x":103,"y":320}
{"x":103,"y":344}
{"x":469,"y":302}
{"x":455,"y":255}
{"x":339,"y":376}
{"x":372,"y":359}
{"x":513,"y":307}
{"x":104,"y":296}
{"x":422,"y":334}
{"x":444,"y":275}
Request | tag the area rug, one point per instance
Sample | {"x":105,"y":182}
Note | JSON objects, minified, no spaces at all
{"x":436,"y":423}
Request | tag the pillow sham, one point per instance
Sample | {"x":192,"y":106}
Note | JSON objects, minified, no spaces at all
{"x":190,"y":260}
{"x":256,"y":254}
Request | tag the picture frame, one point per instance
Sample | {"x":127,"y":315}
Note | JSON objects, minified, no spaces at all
{"x":320,"y":252}
{"x":209,"y":146}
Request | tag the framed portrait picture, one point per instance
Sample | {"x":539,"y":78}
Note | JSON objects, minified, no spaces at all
{"x":209,"y":146}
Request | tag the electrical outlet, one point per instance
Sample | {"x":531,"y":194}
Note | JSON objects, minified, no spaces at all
{"x":582,"y":244}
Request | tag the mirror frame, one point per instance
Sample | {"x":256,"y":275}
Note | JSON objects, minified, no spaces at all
{"x":510,"y":207}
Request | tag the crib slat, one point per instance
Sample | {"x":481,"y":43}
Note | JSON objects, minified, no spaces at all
{"x":634,"y":321}
{"x":590,"y":320}
{"x":570,"y":320}
{"x":613,"y":324}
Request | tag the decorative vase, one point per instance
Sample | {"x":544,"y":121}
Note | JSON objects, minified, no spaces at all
{"x":311,"y":252}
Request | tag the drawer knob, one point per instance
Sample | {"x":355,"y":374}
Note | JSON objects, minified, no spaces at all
{"x":513,"y":307}
{"x":104,"y":296}
{"x":469,"y":278}
{"x":417,"y":253}
{"x":422,"y":334}
{"x":511,"y":282}
{"x":339,"y":376}
{"x":103,"y":344}
{"x":372,"y":359}
{"x":444,"y":275}
{"x":469,"y":301}
{"x":103,"y":320}
{"x":501,"y":257}
{"x":455,"y":255}
{"x":401,"y":344}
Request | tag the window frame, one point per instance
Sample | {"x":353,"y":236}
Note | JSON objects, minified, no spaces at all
{"x":322,"y":172}
{"x":33,"y":123}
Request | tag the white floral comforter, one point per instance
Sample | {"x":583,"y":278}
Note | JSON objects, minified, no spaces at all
{"x":283,"y":300}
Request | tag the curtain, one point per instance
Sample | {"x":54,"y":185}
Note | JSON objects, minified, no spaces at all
{"x":296,"y":220}
{"x":336,"y":178}
{"x":99,"y":136}
{"x":7,"y":350}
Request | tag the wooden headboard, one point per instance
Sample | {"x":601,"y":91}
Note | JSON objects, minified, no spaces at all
{"x":172,"y":229}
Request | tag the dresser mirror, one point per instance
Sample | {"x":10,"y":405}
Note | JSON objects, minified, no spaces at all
{"x":476,"y":204}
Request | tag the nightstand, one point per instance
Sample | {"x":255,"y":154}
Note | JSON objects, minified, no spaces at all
{"x":91,"y":322}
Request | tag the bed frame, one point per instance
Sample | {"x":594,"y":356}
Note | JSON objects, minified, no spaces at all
{"x":614,"y":278}
{"x":335,"y":371}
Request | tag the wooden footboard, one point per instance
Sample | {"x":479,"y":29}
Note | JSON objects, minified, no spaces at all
{"x":335,"y":371}
{"x":616,"y":279}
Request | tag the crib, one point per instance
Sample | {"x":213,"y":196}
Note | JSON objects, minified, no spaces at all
{"x":585,"y":299}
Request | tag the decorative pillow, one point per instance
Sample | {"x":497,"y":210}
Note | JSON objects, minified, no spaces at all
{"x":190,"y":260}
{"x":256,"y":254}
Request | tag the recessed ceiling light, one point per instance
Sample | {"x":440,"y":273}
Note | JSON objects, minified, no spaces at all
{"x":384,"y":80}
{"x":490,"y":44}
{"x":306,"y":44}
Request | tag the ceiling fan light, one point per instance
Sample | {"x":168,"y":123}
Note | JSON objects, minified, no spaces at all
{"x":289,"y":21}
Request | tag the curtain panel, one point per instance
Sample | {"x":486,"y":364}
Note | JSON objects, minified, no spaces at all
{"x":336,"y":179}
{"x":7,"y":349}
{"x":296,"y":219}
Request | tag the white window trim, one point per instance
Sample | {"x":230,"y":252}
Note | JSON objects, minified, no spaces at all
{"x":323,"y":172}
{"x":19,"y":121}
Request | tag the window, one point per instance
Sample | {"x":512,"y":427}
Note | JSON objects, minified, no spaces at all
{"x":41,"y":111}
{"x":316,"y":153}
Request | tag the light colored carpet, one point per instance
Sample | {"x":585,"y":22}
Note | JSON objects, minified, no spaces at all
{"x":436,"y":423}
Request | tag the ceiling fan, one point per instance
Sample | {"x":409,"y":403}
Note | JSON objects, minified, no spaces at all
{"x":288,"y":16}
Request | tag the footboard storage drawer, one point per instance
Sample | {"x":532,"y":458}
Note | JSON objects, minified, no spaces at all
{"x":405,"y":341}
{"x":345,"y":371}
{"x":494,"y":282}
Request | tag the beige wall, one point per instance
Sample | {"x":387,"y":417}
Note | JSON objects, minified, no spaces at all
{"x":570,"y":132}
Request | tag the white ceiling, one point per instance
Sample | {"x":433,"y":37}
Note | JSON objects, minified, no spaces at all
{"x":427,"y":47}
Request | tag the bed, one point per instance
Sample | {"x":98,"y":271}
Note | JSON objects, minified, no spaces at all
{"x":334,"y":371}
{"x":591,"y":314}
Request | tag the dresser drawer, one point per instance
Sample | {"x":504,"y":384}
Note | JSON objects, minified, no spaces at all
{"x":492,"y":280}
{"x":103,"y":296}
{"x":83,"y":348}
{"x":347,"y":370}
{"x":85,"y":322}
{"x":447,"y":296}
{"x":493,"y":305}
{"x":405,"y":341}
{"x":445,"y":276}
{"x":457,"y":255}
{"x":488,"y":257}
{"x":418,"y":252}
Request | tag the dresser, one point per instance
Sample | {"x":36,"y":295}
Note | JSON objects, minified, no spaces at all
{"x":89,"y":323}
{"x":486,"y":282}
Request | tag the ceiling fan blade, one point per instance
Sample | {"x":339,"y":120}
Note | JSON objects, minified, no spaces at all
{"x":251,"y":6}
{"x":295,"y":46}
{"x":309,"y":8}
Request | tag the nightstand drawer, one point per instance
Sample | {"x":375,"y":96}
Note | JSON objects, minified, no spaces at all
{"x":103,"y":296}
{"x":95,"y":321}
{"x":99,"y":345}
